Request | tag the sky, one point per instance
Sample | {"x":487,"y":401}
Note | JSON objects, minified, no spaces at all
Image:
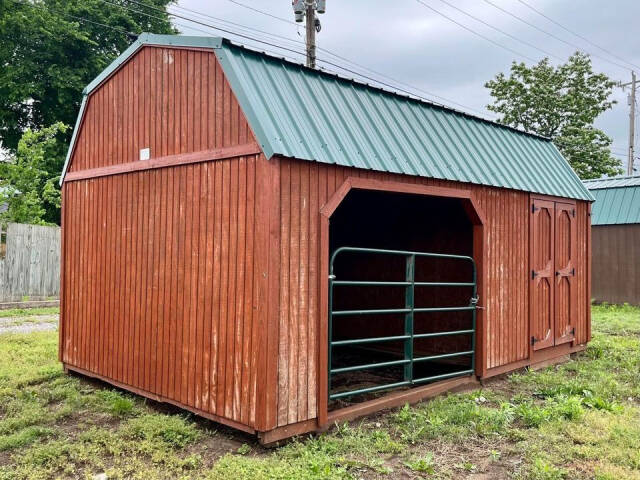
{"x":414,"y":45}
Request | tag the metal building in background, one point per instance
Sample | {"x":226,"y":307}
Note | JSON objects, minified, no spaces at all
{"x":277,"y":248}
{"x":616,"y":239}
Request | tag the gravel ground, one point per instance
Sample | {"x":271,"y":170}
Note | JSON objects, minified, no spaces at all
{"x":28,"y":324}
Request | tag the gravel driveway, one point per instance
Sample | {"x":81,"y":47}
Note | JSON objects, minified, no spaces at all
{"x":27,"y":324}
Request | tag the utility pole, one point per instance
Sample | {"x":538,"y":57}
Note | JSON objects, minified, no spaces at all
{"x":632,"y":120}
{"x":308,"y":9}
{"x":311,"y":35}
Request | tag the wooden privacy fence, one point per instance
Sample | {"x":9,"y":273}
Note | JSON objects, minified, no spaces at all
{"x":29,"y":262}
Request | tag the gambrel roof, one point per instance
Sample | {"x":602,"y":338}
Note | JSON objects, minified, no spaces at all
{"x":313,"y":115}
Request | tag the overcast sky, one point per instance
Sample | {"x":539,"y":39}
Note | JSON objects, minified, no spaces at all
{"x":407,"y":41}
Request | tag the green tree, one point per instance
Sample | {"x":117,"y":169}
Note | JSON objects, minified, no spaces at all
{"x":26,"y":184}
{"x":561,"y":103}
{"x":49,"y":51}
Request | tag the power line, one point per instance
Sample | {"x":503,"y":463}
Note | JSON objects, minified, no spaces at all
{"x":531,"y":45}
{"x":80,"y":19}
{"x":257,"y":10}
{"x":573,"y":45}
{"x":577,"y":34}
{"x":476,"y":33}
{"x":359,"y":74}
{"x":344,"y":59}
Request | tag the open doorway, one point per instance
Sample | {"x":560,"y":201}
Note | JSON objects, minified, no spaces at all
{"x":369,"y":352}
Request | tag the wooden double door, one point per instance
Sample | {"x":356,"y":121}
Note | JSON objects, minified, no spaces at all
{"x":552,"y":243}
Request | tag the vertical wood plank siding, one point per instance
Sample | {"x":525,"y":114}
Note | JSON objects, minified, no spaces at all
{"x":165,"y":270}
{"x":306,"y":186}
{"x":169,"y":100}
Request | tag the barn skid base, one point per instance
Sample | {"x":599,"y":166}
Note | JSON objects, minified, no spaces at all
{"x":391,"y":400}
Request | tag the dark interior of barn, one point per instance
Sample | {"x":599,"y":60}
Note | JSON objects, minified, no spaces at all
{"x":394,"y":221}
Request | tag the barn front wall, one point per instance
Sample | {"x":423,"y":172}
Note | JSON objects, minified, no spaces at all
{"x":306,"y":186}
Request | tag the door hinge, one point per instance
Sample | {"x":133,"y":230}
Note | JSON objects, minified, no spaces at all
{"x":534,"y":209}
{"x":534,"y":274}
{"x":573,"y":272}
{"x":533,"y":340}
{"x":573,"y":212}
{"x":573,"y":331}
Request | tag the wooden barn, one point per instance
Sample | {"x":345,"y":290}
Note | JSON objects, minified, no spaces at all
{"x":616,"y":239}
{"x":277,"y":248}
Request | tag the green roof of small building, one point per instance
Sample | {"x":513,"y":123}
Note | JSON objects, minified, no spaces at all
{"x":617,"y":200}
{"x":313,"y":115}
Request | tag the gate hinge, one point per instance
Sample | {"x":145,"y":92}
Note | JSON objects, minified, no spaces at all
{"x":533,"y":340}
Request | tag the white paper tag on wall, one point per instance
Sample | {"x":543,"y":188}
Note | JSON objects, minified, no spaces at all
{"x":145,"y":154}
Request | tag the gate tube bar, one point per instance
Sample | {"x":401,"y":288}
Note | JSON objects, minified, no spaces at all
{"x":444,"y":355}
{"x":369,"y":365}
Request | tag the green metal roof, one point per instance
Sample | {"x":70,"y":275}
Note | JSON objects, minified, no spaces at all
{"x":617,"y":200}
{"x":314,"y":115}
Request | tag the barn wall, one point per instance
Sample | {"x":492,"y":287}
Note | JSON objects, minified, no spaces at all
{"x":616,"y":263}
{"x":165,"y":270}
{"x":164,"y":273}
{"x":167,"y":99}
{"x":306,"y":186}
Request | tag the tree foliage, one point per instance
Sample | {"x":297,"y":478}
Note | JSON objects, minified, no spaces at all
{"x":561,"y":103}
{"x":49,"y":51}
{"x":26,"y":186}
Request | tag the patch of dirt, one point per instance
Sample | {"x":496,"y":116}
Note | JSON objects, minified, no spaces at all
{"x":28,"y":324}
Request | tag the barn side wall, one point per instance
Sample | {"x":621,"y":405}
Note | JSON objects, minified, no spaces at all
{"x":165,"y":270}
{"x":304,"y":189}
{"x":616,"y":263}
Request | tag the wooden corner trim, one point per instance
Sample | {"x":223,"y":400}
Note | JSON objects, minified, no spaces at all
{"x":224,"y":153}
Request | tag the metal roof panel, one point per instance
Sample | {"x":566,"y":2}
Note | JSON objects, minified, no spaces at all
{"x":313,"y":115}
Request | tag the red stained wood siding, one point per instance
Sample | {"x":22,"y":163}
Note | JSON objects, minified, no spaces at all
{"x":169,"y":100}
{"x":304,"y":189}
{"x":165,"y":269}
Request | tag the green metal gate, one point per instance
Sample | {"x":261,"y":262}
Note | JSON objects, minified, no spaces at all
{"x":408,"y":311}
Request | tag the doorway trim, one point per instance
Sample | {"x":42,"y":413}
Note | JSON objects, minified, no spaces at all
{"x":476,"y":216}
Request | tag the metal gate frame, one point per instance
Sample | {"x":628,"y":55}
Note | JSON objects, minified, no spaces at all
{"x":409,"y":310}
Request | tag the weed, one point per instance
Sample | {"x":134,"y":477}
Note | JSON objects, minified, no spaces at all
{"x":244,"y":449}
{"x":423,"y":464}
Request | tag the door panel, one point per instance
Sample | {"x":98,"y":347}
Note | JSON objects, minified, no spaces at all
{"x":542,"y":291}
{"x":565,"y":292}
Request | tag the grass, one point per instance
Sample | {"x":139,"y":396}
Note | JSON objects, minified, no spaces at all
{"x":577,"y":420}
{"x":29,"y":312}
